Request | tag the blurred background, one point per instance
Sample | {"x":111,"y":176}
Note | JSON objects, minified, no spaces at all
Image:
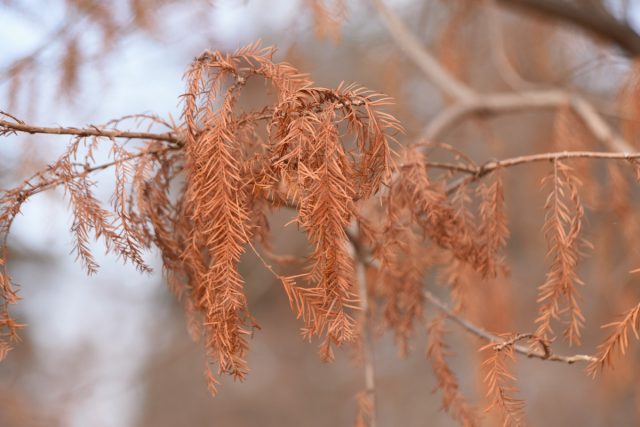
{"x":112,"y":349}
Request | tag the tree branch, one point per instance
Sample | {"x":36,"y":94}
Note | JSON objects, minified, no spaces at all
{"x":506,"y":103}
{"x":412,"y":47}
{"x":501,"y":61}
{"x":7,"y":127}
{"x":530,"y":158}
{"x":546,"y":354}
{"x":469,"y":102}
{"x":596,"y":20}
{"x":478,"y":172}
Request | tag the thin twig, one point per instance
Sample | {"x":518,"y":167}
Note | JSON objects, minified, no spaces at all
{"x":6,"y":127}
{"x":477,"y":173}
{"x":546,"y":354}
{"x":558,"y":156}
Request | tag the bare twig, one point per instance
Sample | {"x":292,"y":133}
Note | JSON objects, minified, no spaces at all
{"x":475,"y":172}
{"x":546,"y":354}
{"x":560,"y":155}
{"x":8,"y":127}
{"x":511,"y":341}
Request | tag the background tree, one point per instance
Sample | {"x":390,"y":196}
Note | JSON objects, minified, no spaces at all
{"x":485,"y":214}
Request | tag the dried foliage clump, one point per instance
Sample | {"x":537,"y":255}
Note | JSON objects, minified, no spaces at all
{"x":142,"y":176}
{"x":234,"y":175}
{"x":204,"y":199}
{"x":494,"y":231}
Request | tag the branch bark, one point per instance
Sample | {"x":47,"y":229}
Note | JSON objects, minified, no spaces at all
{"x":484,"y":170}
{"x":530,"y":158}
{"x":8,"y":127}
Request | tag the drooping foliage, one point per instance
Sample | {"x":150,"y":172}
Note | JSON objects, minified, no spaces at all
{"x":203,"y":191}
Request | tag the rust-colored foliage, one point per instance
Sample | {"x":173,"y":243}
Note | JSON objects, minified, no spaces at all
{"x":384,"y":219}
{"x":304,"y":163}
{"x":559,"y":294}
{"x":494,"y":231}
{"x":500,"y":382}
{"x":618,"y":341}
{"x":231,"y":177}
{"x":452,"y":399}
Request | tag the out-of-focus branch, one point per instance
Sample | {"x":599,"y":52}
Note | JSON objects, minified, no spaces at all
{"x":413,"y":48}
{"x":367,"y":333}
{"x":503,"y":64}
{"x":489,"y":104}
{"x":501,"y":103}
{"x":29,"y":59}
{"x":597,"y":125}
{"x":545,"y":354}
{"x":468,"y":102}
{"x":597,"y":20}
